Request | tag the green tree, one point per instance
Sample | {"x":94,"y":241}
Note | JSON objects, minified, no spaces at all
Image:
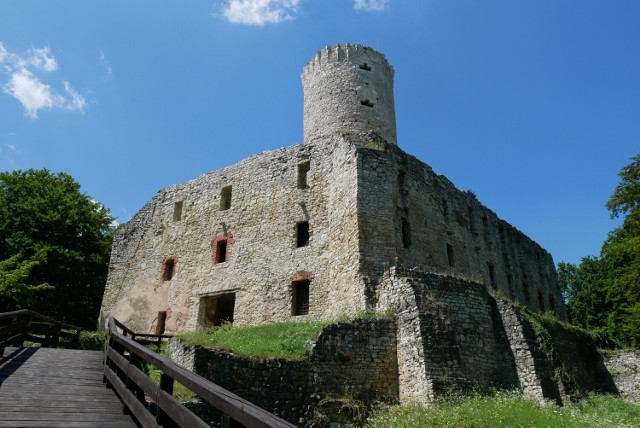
{"x":55,"y":244}
{"x":603,"y":293}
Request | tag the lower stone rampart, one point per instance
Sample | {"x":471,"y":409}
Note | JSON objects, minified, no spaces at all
{"x":624,"y":367}
{"x":453,"y":335}
{"x":447,"y":335}
{"x":352,"y":367}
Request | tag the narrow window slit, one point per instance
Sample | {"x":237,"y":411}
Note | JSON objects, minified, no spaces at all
{"x":303,"y":170}
{"x":366,"y":102}
{"x":177,"y":211}
{"x":225,"y":198}
{"x":365,"y":66}
{"x":302,"y":234}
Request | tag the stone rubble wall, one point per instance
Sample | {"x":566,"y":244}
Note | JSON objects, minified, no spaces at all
{"x":452,"y":335}
{"x":337,"y":81}
{"x":447,"y":337}
{"x":624,"y":366}
{"x":351,"y":362}
{"x":393,"y":185}
{"x":260,"y":225}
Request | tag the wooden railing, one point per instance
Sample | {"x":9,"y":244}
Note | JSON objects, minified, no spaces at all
{"x":123,"y":368}
{"x":24,"y":325}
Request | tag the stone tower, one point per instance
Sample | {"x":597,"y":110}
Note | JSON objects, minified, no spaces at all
{"x":348,"y":88}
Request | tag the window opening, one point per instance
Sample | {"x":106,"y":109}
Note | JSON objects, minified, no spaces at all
{"x":221,"y":251}
{"x":300,"y":303}
{"x":365,"y":66}
{"x":525,"y":290}
{"x":303,"y":170}
{"x":162,"y":318}
{"x":445,"y":208}
{"x":168,"y":269}
{"x":225,"y":198}
{"x":217,"y":310}
{"x":510,"y":283}
{"x":552,"y":304}
{"x":302,"y":234}
{"x":541,"y":301}
{"x":406,"y":233}
{"x":366,"y":102}
{"x":492,"y":276}
{"x":472,"y":224}
{"x":450,"y":254}
{"x":177,"y":211}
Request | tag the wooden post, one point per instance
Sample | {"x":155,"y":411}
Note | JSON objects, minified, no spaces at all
{"x":166,"y":384}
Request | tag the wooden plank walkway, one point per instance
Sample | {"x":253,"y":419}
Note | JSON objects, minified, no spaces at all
{"x":45,"y":387}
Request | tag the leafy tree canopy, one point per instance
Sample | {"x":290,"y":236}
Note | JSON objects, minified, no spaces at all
{"x":603,"y":293}
{"x":55,"y":244}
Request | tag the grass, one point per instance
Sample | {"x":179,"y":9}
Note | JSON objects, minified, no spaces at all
{"x":287,"y":340}
{"x":510,"y":409}
{"x":180,"y":392}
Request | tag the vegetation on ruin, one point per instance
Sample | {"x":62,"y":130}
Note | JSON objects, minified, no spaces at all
{"x":603,"y":293}
{"x":287,"y":340}
{"x":55,"y":243}
{"x":509,"y":409}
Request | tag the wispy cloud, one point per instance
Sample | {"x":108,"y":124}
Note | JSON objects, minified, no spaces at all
{"x":370,"y":5}
{"x":26,"y":86}
{"x":105,"y":63}
{"x":260,"y":12}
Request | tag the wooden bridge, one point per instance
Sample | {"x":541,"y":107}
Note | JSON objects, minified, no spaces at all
{"x":55,"y":385}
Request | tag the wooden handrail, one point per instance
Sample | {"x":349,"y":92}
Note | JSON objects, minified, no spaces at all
{"x":16,"y":327}
{"x":124,"y":359}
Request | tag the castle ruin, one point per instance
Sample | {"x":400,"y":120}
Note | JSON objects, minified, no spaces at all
{"x":343,"y":223}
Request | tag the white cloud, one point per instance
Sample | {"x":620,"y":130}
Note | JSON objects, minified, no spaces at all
{"x":260,"y":12}
{"x":75,"y":102}
{"x":370,"y":5}
{"x":42,"y":58}
{"x":10,"y":146}
{"x":104,"y":62}
{"x":25,"y":85}
{"x":31,"y":92}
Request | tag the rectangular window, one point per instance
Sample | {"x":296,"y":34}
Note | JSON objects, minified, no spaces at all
{"x":302,"y":234}
{"x":406,"y":233}
{"x":300,"y":303}
{"x":525,"y":290}
{"x":492,"y":275}
{"x":221,"y":251}
{"x":540,"y":301}
{"x":225,"y":198}
{"x":168,"y":269}
{"x":303,"y":170}
{"x":450,"y":255}
{"x":216,"y":310}
{"x":445,"y":208}
{"x":177,"y":211}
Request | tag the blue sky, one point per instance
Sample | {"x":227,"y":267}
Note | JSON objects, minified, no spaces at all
{"x":535,"y":106}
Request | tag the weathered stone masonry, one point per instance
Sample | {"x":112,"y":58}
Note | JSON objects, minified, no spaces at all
{"x":343,"y":223}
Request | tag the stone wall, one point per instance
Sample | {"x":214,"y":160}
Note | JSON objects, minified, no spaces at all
{"x":352,"y":365}
{"x":448,"y":337}
{"x":452,"y":335}
{"x":348,"y":88}
{"x":624,"y":366}
{"x":226,"y":246}
{"x":409,"y":215}
{"x":263,"y":260}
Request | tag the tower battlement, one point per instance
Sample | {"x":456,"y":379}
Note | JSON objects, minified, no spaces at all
{"x":348,"y":88}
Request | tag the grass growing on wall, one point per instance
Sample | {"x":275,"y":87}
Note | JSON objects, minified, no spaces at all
{"x":288,"y":340}
{"x":510,"y":409}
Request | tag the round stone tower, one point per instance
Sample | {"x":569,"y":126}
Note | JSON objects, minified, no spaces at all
{"x":348,"y":88}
